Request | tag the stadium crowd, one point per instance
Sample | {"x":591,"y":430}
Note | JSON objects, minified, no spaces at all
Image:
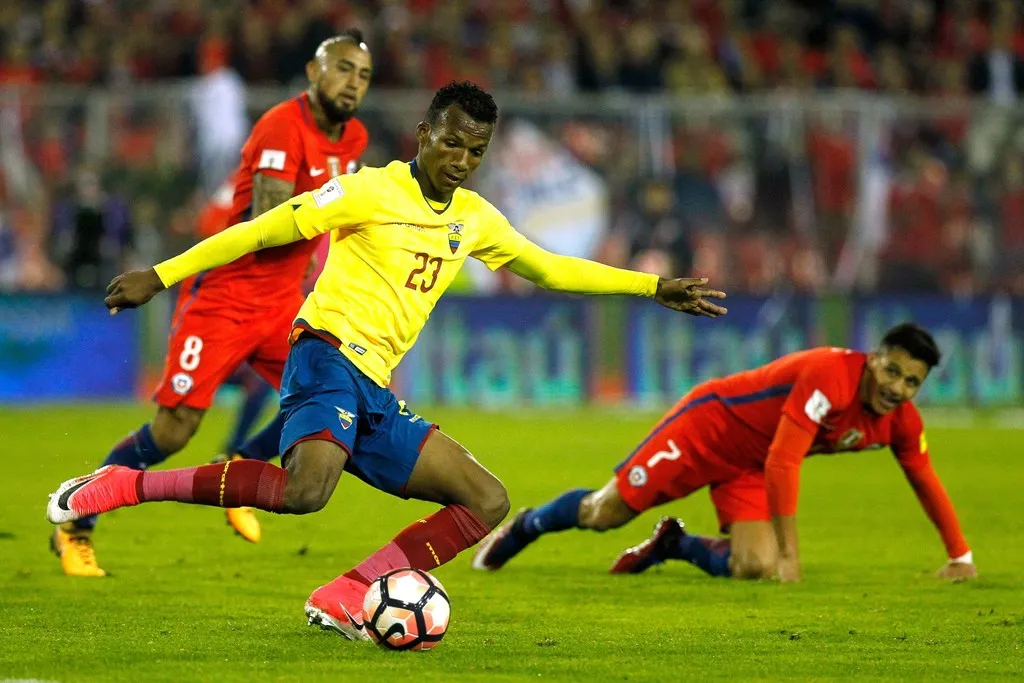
{"x":836,"y":195}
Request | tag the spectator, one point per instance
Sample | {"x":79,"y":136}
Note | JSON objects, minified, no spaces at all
{"x":998,"y":73}
{"x":92,"y":235}
{"x":640,"y":70}
{"x":654,"y":223}
{"x":218,"y":105}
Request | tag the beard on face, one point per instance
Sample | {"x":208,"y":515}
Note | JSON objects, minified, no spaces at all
{"x":335,"y":113}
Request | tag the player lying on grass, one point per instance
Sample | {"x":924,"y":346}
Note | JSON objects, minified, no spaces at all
{"x":399,"y":236}
{"x":243,"y":312}
{"x":744,"y":437}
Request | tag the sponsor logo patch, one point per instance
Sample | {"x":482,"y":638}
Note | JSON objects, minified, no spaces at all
{"x":331,"y":191}
{"x":357,"y":348}
{"x":817,"y":406}
{"x":273,"y":159}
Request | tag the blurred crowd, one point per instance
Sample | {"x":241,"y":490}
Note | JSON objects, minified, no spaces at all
{"x":555,"y":46}
{"x":830,"y":192}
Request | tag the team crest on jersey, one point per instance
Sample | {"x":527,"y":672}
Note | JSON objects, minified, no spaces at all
{"x":637,"y":476}
{"x":455,"y":236}
{"x":850,"y":439}
{"x":182,"y":383}
{"x":344,"y":417}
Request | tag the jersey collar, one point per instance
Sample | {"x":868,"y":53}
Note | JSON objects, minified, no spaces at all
{"x":412,"y":172}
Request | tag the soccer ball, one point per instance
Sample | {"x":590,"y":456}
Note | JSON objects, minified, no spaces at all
{"x":406,"y":609}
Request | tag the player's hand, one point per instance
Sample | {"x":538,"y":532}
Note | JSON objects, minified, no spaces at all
{"x":689,"y":295}
{"x":132,"y":289}
{"x":958,"y":571}
{"x":789,"y":569}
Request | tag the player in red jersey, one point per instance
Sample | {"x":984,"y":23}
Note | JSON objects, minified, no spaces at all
{"x":744,"y":437}
{"x":215,"y":217}
{"x":242,"y":312}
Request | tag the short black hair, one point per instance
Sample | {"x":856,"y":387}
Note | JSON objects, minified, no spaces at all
{"x":915,"y":340}
{"x":469,"y":97}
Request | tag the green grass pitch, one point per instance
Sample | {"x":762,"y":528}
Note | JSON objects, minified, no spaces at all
{"x":188,"y":601}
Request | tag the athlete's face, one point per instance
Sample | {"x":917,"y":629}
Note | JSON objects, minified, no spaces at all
{"x":891,"y":377}
{"x":451,"y":149}
{"x":340,"y":76}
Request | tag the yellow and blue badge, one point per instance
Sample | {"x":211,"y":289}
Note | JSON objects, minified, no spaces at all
{"x":344,"y":417}
{"x":454,"y":236}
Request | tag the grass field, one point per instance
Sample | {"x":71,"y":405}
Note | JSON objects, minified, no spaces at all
{"x":188,"y":601}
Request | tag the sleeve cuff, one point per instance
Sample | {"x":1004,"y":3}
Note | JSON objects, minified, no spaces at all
{"x":648,"y":284}
{"x":166,"y":277}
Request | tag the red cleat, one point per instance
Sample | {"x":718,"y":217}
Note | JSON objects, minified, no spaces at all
{"x":338,"y":607}
{"x":106,"y":489}
{"x":643,"y":556}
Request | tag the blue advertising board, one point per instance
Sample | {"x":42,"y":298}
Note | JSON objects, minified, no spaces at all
{"x":65,"y":347}
{"x":507,"y":351}
{"x":499,"y":351}
{"x":667,"y":353}
{"x":980,"y":338}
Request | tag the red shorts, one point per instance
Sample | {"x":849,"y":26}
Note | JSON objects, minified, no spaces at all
{"x":209,"y":341}
{"x":673,"y":461}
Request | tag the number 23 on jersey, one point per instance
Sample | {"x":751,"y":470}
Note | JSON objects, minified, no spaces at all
{"x":424,"y":275}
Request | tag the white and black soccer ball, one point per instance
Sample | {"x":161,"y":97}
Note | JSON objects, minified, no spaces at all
{"x":406,"y":609}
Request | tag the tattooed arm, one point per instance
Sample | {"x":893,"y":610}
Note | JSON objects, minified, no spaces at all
{"x":268,"y":192}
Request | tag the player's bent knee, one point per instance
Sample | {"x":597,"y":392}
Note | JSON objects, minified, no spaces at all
{"x":751,"y":565}
{"x":302,"y":501}
{"x":492,"y":504}
{"x":314,"y":468}
{"x":304,"y":494}
{"x":602,"y":512}
{"x":174,"y":428}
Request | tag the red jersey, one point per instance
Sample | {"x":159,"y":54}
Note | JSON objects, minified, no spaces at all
{"x":285,"y":143}
{"x":745,"y":436}
{"x":818,"y":390}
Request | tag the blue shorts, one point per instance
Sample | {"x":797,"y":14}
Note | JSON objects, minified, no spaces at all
{"x":324,"y":396}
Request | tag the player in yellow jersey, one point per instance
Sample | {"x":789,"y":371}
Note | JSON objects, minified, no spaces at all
{"x":399,"y":234}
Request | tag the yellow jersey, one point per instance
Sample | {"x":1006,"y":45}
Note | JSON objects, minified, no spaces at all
{"x":391,"y":258}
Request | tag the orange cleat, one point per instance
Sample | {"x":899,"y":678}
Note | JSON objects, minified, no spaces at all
{"x":74,"y":548}
{"x":245,"y":524}
{"x":242,"y":520}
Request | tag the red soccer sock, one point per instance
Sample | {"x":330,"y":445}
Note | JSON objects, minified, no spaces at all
{"x":232,"y":484}
{"x":424,"y":544}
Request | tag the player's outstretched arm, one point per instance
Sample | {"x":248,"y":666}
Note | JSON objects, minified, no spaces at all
{"x":272,"y":229}
{"x":782,"y":482}
{"x":580,"y":276}
{"x":939,"y":508}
